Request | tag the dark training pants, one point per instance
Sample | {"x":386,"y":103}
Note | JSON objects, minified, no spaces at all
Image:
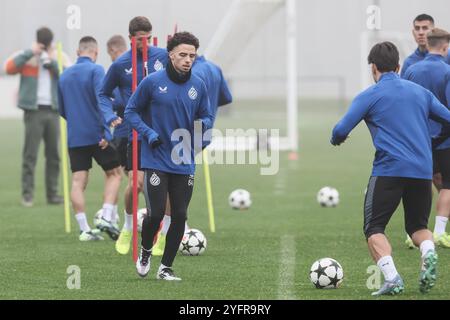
{"x":41,"y":125}
{"x":157,"y":185}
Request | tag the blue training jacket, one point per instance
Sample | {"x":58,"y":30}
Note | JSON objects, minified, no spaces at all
{"x":78,"y":95}
{"x":433,"y":73}
{"x":158,"y":108}
{"x":119,"y":76}
{"x":415,"y":57}
{"x":218,"y":92}
{"x":396,"y":112}
{"x":123,"y":129}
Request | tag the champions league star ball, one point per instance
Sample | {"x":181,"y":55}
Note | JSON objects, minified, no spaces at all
{"x":328,"y":197}
{"x":193,"y":243}
{"x":326,"y":273}
{"x":240,"y":199}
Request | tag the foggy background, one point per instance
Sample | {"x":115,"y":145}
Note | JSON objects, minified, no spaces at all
{"x":329,"y":32}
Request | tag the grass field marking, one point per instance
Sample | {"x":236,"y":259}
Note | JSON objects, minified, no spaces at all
{"x":286,"y":275}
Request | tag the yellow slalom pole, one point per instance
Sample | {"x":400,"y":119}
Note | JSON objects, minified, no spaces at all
{"x":209,"y":198}
{"x":65,"y":166}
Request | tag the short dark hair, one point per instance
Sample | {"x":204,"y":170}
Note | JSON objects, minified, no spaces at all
{"x":437,"y":37}
{"x":139,"y":24}
{"x":117,"y":41}
{"x":44,"y":36}
{"x":87,"y":43}
{"x":385,"y":56}
{"x":182,"y":38}
{"x":424,"y":17}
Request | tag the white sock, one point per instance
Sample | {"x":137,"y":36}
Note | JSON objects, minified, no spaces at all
{"x":387,"y":266}
{"x":441,"y":223}
{"x":426,"y":246}
{"x":115,"y":214}
{"x":186,"y":227}
{"x":128,"y":225}
{"x":166,"y":225}
{"x":82,"y":221}
{"x":107,"y":211}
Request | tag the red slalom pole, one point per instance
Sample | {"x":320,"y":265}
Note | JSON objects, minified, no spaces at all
{"x":134,"y":148}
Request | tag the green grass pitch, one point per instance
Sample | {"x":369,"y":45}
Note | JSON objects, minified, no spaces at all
{"x":262,"y":253}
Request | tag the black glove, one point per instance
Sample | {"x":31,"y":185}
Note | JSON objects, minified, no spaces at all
{"x":155,"y":144}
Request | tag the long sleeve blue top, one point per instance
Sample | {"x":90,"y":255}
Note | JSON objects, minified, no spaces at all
{"x":119,"y":76}
{"x":415,"y":57}
{"x":433,"y":73}
{"x":78,"y":95}
{"x":160,"y":107}
{"x":396,"y":112}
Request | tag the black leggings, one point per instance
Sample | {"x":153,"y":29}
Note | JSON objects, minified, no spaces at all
{"x":157,"y":185}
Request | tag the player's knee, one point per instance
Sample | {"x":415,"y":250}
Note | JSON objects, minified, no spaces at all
{"x":370,"y":231}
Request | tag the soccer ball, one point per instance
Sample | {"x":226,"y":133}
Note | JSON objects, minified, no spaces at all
{"x":193,"y":243}
{"x":328,"y":197}
{"x":240,"y":199}
{"x":326,"y":273}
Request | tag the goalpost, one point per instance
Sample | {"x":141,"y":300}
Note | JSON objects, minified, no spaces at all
{"x":232,"y":36}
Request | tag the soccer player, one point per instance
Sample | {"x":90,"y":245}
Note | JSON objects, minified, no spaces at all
{"x":402,"y":168}
{"x":219,"y":95}
{"x":88,"y":136}
{"x":119,"y":76}
{"x":163,"y":108}
{"x":422,"y":24}
{"x":116,"y":46}
{"x":433,"y":74}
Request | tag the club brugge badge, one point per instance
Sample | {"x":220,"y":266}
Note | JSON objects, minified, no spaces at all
{"x":192,"y":93}
{"x":154,"y":180}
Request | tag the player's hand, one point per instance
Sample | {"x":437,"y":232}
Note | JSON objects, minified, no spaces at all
{"x":154,"y":141}
{"x":116,"y":122}
{"x":37,"y":48}
{"x":155,"y":144}
{"x":103,"y":144}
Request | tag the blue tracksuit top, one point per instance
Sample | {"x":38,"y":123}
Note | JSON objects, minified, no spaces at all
{"x":415,"y":57}
{"x":396,"y":112}
{"x":119,"y":76}
{"x":78,"y":95}
{"x":433,"y":73}
{"x":159,"y":107}
{"x":123,"y":129}
{"x":218,"y":92}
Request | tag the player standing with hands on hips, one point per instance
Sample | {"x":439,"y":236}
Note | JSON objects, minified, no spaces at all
{"x":163,"y":110}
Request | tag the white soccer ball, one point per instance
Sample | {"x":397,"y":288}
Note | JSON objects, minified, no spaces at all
{"x":193,"y":243}
{"x":326,"y":273}
{"x":328,"y":197}
{"x":240,"y":199}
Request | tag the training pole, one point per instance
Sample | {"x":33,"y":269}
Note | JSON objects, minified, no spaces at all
{"x":134,"y":153}
{"x":209,"y":199}
{"x":63,"y":137}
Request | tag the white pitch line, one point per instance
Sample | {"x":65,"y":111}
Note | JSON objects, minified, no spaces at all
{"x":286,"y":275}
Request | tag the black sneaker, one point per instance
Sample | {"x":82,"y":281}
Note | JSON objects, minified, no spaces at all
{"x":55,"y":200}
{"x":109,"y":228}
{"x":166,"y":274}
{"x":27,"y":201}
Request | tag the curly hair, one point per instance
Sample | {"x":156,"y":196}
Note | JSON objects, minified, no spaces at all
{"x":182,"y":38}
